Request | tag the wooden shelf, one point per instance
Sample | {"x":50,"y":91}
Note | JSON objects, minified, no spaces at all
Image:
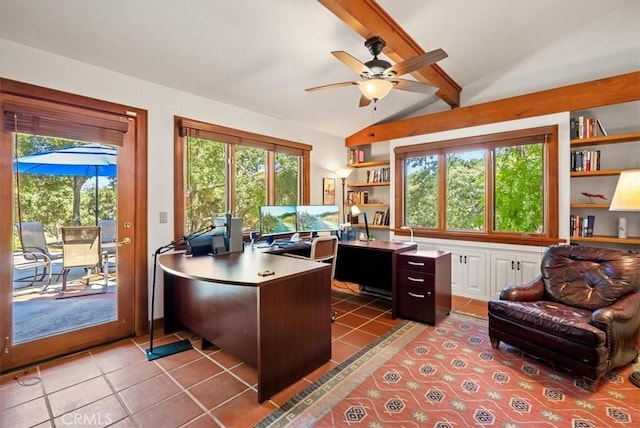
{"x":371,"y":205}
{"x":588,"y":205}
{"x":380,"y":183}
{"x":609,"y":139}
{"x":370,"y":164}
{"x":371,"y":226}
{"x":607,"y":240}
{"x":598,"y":173}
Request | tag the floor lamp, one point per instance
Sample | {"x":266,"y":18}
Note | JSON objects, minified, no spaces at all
{"x":153,"y":353}
{"x":626,"y":197}
{"x":342,"y":174}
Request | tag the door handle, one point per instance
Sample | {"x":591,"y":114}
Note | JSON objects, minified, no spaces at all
{"x":125,"y":241}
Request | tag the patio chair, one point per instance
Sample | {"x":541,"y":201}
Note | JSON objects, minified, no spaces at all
{"x":81,"y":249}
{"x":35,"y":249}
{"x":108,"y":235}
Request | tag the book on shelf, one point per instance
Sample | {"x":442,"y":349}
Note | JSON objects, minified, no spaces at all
{"x":357,"y":197}
{"x":581,"y":226}
{"x":585,"y":127}
{"x":585,"y":160}
{"x":380,"y":175}
{"x":355,"y":156}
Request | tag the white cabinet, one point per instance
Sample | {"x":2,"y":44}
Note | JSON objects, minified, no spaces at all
{"x":468,"y":272}
{"x":512,"y":269}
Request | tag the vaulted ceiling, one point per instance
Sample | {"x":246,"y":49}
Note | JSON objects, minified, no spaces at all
{"x":261,"y":55}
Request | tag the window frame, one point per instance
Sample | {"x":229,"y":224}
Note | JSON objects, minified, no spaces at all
{"x":487,"y":142}
{"x":184,"y":127}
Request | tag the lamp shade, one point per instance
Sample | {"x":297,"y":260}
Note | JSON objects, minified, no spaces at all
{"x":343,"y":172}
{"x":355,"y":211}
{"x":375,"y":89}
{"x":627,"y":194}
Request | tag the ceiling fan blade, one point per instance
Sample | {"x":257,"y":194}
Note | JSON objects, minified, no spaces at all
{"x":352,"y":63}
{"x":415,"y":63}
{"x":364,"y":101}
{"x":332,"y":85}
{"x":413,"y":86}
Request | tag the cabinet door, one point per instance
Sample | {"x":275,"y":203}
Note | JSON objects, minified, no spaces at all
{"x":528,"y":267}
{"x":458,"y":269}
{"x":475,"y":271}
{"x":503,"y":272}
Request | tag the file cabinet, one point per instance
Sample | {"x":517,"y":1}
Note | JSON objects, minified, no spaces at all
{"x":423,"y":286}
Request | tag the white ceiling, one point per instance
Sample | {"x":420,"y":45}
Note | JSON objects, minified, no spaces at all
{"x":261,"y":55}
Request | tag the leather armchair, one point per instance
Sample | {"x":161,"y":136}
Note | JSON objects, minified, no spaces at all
{"x":581,"y":313}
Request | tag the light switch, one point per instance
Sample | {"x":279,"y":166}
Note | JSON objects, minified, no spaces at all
{"x":163,"y":216}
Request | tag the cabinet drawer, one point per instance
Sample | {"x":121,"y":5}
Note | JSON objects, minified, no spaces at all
{"x":422,"y":264}
{"x":412,"y":278}
{"x":417,"y":304}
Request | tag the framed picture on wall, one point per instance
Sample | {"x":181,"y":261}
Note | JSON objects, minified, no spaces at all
{"x":329,"y":191}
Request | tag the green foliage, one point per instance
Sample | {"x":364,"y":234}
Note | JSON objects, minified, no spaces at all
{"x":421,"y":200}
{"x":518,"y":189}
{"x":58,"y":201}
{"x":205,"y":182}
{"x":286,"y":173}
{"x":466,"y":191}
{"x":250,"y":191}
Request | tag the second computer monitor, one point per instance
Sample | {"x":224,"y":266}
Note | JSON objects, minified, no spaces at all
{"x":318,"y":218}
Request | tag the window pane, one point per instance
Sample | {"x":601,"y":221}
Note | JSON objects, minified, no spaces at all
{"x":250,"y":190}
{"x":286,"y":172}
{"x":466,"y":191}
{"x":205,"y":182}
{"x":421,"y":191}
{"x":519,"y":189}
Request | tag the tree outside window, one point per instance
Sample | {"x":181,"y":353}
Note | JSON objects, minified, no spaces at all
{"x":498,"y":188}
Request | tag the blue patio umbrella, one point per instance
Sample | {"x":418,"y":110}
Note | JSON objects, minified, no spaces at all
{"x":90,"y":160}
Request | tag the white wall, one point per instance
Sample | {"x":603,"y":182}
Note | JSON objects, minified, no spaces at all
{"x":25,"y":64}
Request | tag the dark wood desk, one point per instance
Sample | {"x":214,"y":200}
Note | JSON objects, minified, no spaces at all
{"x":279,"y":324}
{"x":372,"y":264}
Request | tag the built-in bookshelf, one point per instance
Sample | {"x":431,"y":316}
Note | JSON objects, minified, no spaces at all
{"x":598,"y":156}
{"x":368,"y":189}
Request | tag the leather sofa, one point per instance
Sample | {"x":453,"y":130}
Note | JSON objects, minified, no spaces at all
{"x":581,"y":313}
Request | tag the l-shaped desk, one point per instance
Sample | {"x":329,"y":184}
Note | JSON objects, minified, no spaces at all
{"x":279,"y":324}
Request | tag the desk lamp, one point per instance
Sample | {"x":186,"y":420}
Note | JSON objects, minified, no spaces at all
{"x":409,"y":229}
{"x":355,"y":211}
{"x":626,"y":197}
{"x":343,"y":173}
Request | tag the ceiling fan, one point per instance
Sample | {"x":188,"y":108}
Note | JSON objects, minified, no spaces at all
{"x":379,"y":76}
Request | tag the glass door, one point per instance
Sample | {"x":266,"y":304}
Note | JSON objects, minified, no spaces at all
{"x":71,"y":258}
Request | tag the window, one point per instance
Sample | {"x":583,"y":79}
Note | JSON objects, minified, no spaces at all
{"x":223,"y":169}
{"x":497,"y":188}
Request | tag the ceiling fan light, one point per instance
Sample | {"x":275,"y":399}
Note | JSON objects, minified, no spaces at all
{"x":375,"y":89}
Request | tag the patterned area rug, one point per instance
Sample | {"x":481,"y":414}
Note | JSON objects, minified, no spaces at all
{"x":449,"y":376}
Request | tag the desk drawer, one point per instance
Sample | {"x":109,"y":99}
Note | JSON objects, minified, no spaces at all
{"x":412,"y":278}
{"x":417,"y":304}
{"x":416,"y":263}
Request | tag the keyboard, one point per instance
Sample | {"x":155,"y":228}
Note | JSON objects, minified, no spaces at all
{"x":289,"y":244}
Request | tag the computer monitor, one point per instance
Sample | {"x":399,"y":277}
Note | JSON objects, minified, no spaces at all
{"x":277,"y":220}
{"x":318,"y":218}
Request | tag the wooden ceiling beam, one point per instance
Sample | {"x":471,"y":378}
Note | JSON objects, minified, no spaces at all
{"x":596,"y":93}
{"x":368,"y":19}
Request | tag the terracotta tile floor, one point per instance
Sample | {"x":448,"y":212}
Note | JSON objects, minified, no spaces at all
{"x":115,"y":384}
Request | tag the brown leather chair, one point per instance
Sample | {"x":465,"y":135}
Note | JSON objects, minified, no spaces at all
{"x":582,"y":313}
